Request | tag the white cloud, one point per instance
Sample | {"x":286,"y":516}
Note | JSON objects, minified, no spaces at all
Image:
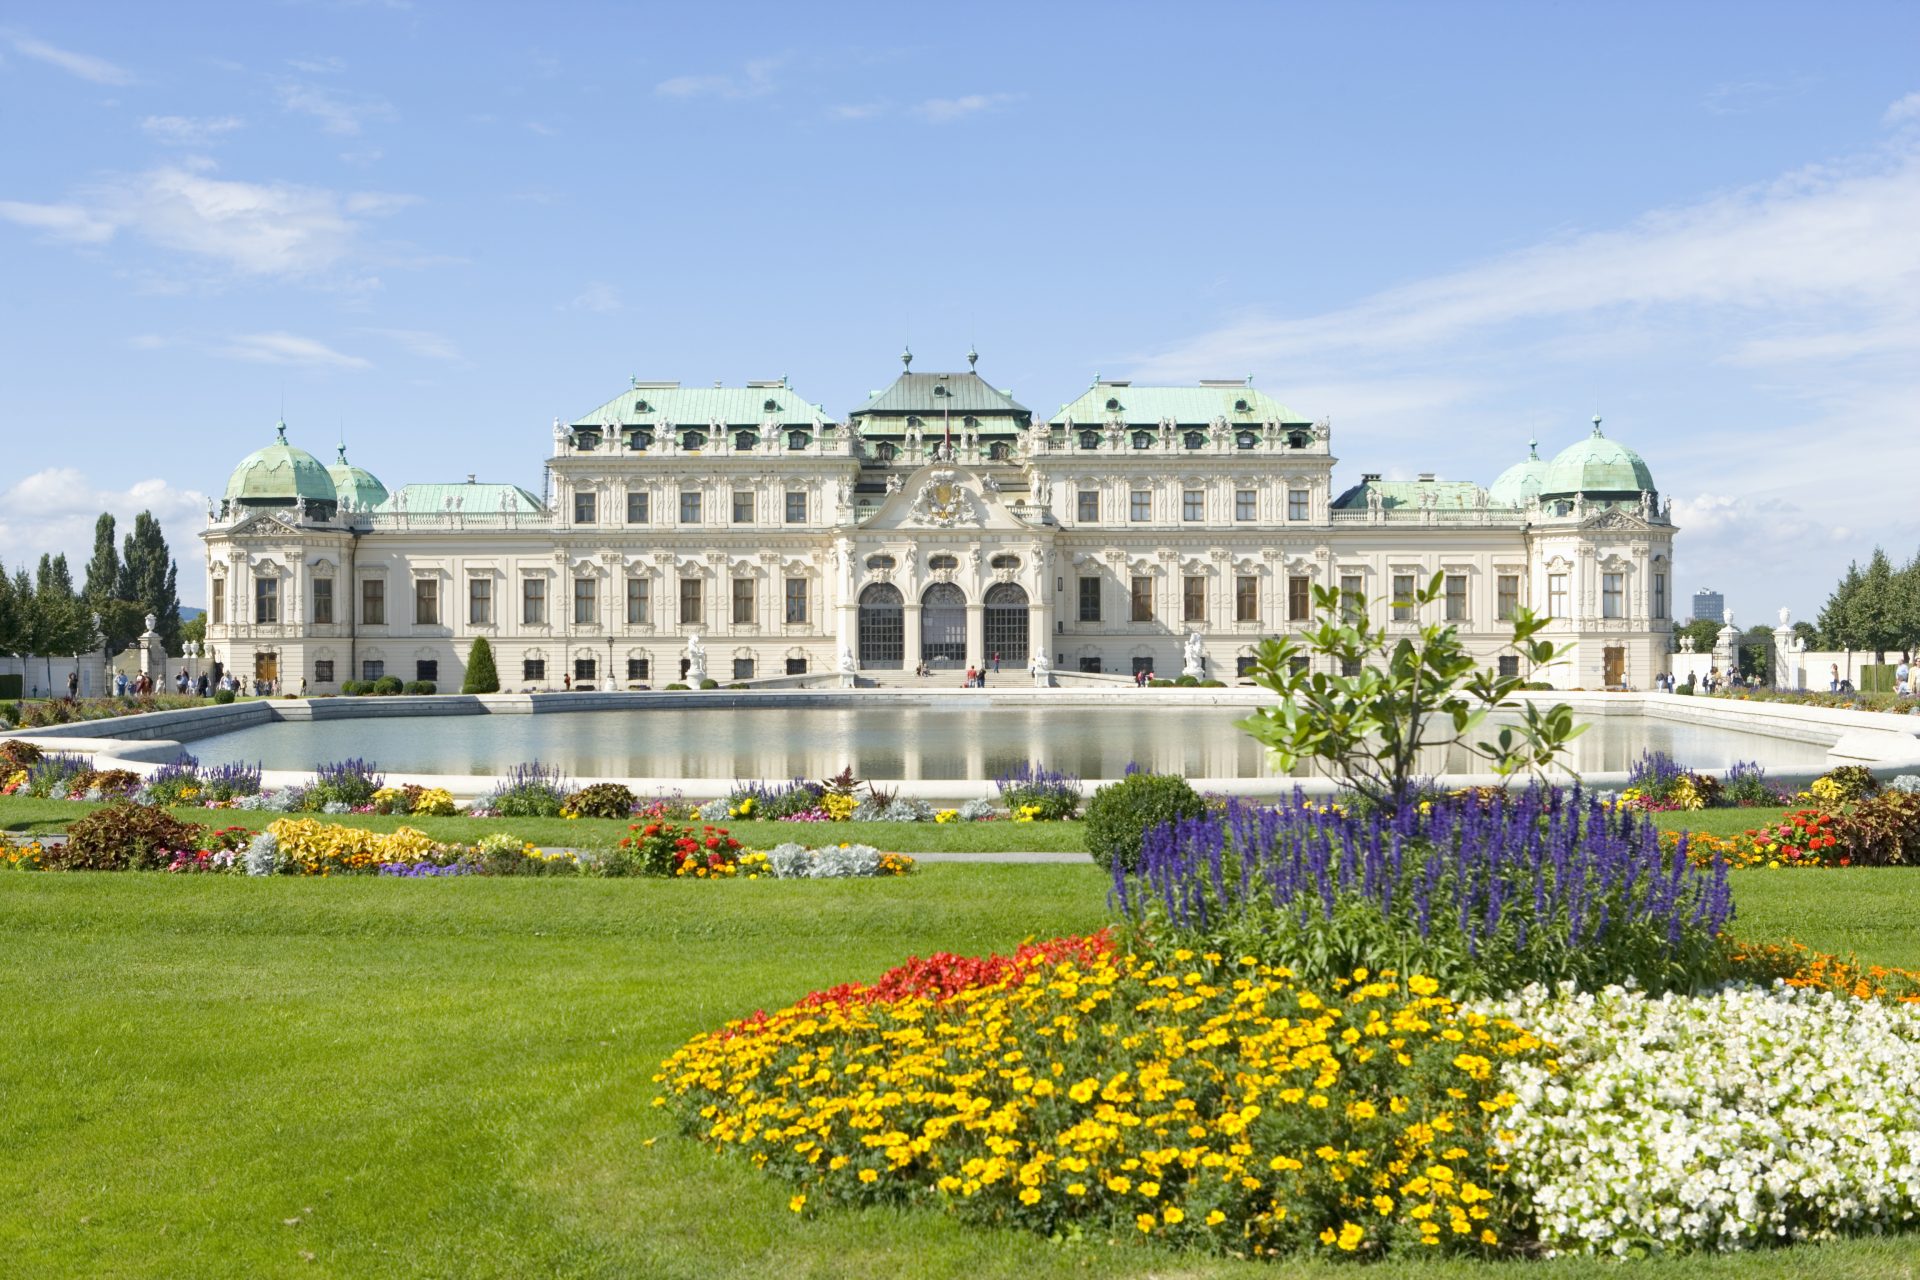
{"x":857,"y":110}
{"x":291,"y":349}
{"x":83,"y":65}
{"x":598,"y":296}
{"x":420,"y":342}
{"x":53,"y":511}
{"x":190,"y":131}
{"x":753,"y":80}
{"x":947,"y":110}
{"x":327,"y":66}
{"x":337,"y":113}
{"x":1905,"y":111}
{"x":260,"y":229}
{"x":149,"y":342}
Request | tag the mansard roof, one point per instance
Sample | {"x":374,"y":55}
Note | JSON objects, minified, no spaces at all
{"x":920,"y":394}
{"x":1121,"y":401}
{"x":670,"y":404}
{"x":473,"y":498}
{"x":1448,"y":495}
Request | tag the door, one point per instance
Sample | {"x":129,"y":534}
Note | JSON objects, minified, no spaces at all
{"x":883,"y":627}
{"x":1614,"y":662}
{"x":266,"y":666}
{"x":943,"y":625}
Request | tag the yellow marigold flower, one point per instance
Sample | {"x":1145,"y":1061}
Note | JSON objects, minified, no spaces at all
{"x":1119,"y":1184}
{"x":1215,"y":1218}
{"x":1144,"y":1222}
{"x":1030,"y":1196}
{"x":1383,"y":1205}
{"x":1421,"y":985}
{"x":798,"y":1203}
{"x":1172,"y":1215}
{"x":1149,"y":1189}
{"x":1076,"y":1188}
{"x":869,"y":1175}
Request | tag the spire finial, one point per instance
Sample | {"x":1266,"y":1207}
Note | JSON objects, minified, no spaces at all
{"x":1596,"y":424}
{"x":906,"y":358}
{"x":281,"y":429}
{"x":973,"y":357}
{"x":1533,"y":448}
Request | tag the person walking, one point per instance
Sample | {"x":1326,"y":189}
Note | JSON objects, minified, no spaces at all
{"x":996,"y":662}
{"x":73,"y":684}
{"x":1833,"y":686}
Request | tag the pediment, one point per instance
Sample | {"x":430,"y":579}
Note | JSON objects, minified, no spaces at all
{"x":264,"y":525}
{"x":1613,"y":519}
{"x":945,"y":496}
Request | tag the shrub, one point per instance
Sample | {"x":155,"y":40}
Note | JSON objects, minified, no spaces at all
{"x":124,"y":837}
{"x":529,"y":790}
{"x":1159,"y":683}
{"x":670,"y":849}
{"x":1745,"y":785}
{"x":419,"y":687}
{"x":1881,"y":830}
{"x":311,"y":848}
{"x":1121,"y":813}
{"x":1844,"y":785}
{"x":387,"y":686}
{"x":1486,"y":895}
{"x":1211,"y":683}
{"x":174,"y":782}
{"x":1054,"y":794}
{"x":348,"y":782}
{"x":601,"y":800}
{"x":760,"y":800}
{"x":1186,"y":681}
{"x":677,"y":685}
{"x":709,"y":683}
{"x":481,"y":676}
{"x":16,"y":755}
{"x":223,"y":696}
{"x":356,"y":688}
{"x":110,"y":783}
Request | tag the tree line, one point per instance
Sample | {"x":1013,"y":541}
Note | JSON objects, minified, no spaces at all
{"x":43,"y":613}
{"x":1876,"y":609}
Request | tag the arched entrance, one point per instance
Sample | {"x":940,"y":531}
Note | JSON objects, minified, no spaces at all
{"x":943,"y":624}
{"x":883,"y":628}
{"x":1006,"y":623}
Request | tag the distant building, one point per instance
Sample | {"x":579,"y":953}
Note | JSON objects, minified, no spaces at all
{"x":1709,"y":605}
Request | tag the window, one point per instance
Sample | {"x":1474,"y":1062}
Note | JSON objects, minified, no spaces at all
{"x":796,"y":600}
{"x":1090,"y":599}
{"x":1143,"y":599}
{"x":1297,"y":665}
{"x":1245,"y":506}
{"x":743,"y":506}
{"x":1005,"y":560}
{"x":796,"y":666}
{"x":426,"y":602}
{"x":639,"y":506}
{"x":1143,"y":439}
{"x":323,"y":600}
{"x":1507,"y":597}
{"x":1557,"y":602}
{"x":1087,"y":509}
{"x":426,"y":669}
{"x":1509,"y":666}
{"x":533,"y":669}
{"x":886,"y":451}
{"x":690,"y":602}
{"x":373,"y":602}
{"x":796,"y":507}
{"x":885,"y":561}
{"x":372,"y":669}
{"x":639,"y":669}
{"x":1349,"y":667}
{"x":1659,"y":595}
{"x":1194,"y":440}
{"x":690,"y":506}
{"x":1140,"y":505}
{"x":323,"y":671}
{"x":1089,"y":439}
{"x":1299,"y":598}
{"x":219,"y":602}
{"x":583,"y":669}
{"x":266,"y":600}
{"x":1403,"y":597}
{"x":744,"y":441}
{"x":1296,"y":504}
{"x":1246,"y":440}
{"x":694,"y":440}
{"x":1352,"y":602}
{"x":1143,"y":664}
{"x":743,"y":602}
{"x":1193,"y":505}
{"x":1456,"y":597}
{"x":1613,"y":595}
{"x":796,"y":439}
{"x":941,"y":560}
{"x":585,"y":598}
{"x":1246,"y":599}
{"x":480,"y":601}
{"x":583,"y":507}
{"x":533,"y":602}
{"x":1243,"y":665}
{"x":1193,"y":598}
{"x":743,"y":668}
{"x":639,"y":602}
{"x":998,"y":451}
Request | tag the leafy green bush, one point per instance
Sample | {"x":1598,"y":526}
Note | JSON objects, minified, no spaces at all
{"x":1040,"y":794}
{"x":1121,"y":813}
{"x":530,"y":790}
{"x":1186,"y":681}
{"x":1882,"y":830}
{"x":387,"y":686}
{"x":709,"y":683}
{"x":418,"y":687}
{"x":16,"y":755}
{"x":601,"y":800}
{"x":677,"y":685}
{"x":223,"y":696}
{"x":1211,"y":683}
{"x":1845,"y":784}
{"x":482,"y":677}
{"x":1158,"y":683}
{"x":124,"y":837}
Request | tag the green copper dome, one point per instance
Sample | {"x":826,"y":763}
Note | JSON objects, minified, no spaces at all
{"x":1596,"y":466}
{"x":1519,"y":485}
{"x":280,"y":475}
{"x":356,"y":485}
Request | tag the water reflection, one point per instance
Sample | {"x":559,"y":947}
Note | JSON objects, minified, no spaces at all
{"x":885,"y":741}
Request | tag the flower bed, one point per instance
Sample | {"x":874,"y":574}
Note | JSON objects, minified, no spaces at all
{"x":1214,"y":1103}
{"x":792,"y":861}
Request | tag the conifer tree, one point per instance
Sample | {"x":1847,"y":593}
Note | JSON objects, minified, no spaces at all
{"x":1873,"y":612}
{"x":481,"y":676}
{"x":1836,"y":616}
{"x":149,"y":579}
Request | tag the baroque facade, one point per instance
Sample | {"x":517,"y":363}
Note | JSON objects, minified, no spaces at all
{"x":1139,"y":528}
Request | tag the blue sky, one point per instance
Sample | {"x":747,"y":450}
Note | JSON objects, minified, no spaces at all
{"x":1447,"y":228}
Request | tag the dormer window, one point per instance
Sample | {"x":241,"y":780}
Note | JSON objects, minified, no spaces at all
{"x":1240,"y":406}
{"x":944,"y":560}
{"x":1113,"y":405}
{"x":694,"y":440}
{"x":1246,"y":440}
{"x":642,"y":440}
{"x":970,"y":423}
{"x":1298,"y":440}
{"x":771,"y":406}
{"x":1089,"y":439}
{"x":745,"y":440}
{"x":886,"y":451}
{"x":997,"y":451}
{"x":641,"y":406}
{"x":1194,"y":439}
{"x":913,"y":423}
{"x":940,"y":389}
{"x":1143,"y":439}
{"x":796,"y":439}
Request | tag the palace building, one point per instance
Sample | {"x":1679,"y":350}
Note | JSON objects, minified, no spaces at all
{"x":746,"y":530}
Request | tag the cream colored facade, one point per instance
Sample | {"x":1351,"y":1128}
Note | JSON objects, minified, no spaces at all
{"x":940,"y":523}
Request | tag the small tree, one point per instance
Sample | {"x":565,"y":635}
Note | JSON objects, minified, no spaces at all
{"x":481,"y":677}
{"x":1408,"y":692}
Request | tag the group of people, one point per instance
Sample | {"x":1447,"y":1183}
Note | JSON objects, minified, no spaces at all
{"x":1142,"y":676}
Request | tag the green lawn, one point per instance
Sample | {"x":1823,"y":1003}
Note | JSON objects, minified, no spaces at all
{"x":26,"y":817}
{"x":218,"y":1076}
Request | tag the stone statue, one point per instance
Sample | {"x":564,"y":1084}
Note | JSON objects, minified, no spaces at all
{"x":1726,"y":616}
{"x":696,"y":659}
{"x":1786,"y":618}
{"x":299,"y":510}
{"x":1646,"y":505}
{"x":1196,"y":658}
{"x":1373,"y":503}
{"x":912,"y":557}
{"x":990,"y":483}
{"x":848,"y":663}
{"x":150,"y":619}
{"x":210,"y":512}
{"x":1040,"y":666}
{"x":893,"y":483}
{"x":559,"y":436}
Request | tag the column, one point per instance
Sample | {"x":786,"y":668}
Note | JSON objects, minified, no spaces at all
{"x":911,"y":635}
{"x":976,"y":633}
